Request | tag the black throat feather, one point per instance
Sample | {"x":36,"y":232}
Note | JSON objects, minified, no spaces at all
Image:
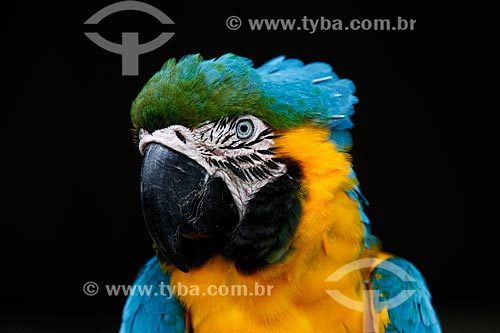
{"x":270,"y":221}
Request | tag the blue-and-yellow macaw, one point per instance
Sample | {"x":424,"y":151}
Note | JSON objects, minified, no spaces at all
{"x":246,"y":181}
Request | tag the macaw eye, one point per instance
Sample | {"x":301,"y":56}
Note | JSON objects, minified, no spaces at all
{"x":244,"y":129}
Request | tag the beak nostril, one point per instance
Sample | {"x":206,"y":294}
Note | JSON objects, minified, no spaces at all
{"x":180,"y":136}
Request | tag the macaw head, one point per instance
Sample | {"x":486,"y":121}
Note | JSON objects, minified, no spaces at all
{"x":235,"y":157}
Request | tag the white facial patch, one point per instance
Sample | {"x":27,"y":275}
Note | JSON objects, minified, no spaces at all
{"x":238,"y":150}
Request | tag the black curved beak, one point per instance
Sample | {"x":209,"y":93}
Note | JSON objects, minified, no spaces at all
{"x":182,"y":204}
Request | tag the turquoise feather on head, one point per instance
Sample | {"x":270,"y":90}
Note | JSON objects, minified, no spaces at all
{"x":284,"y":93}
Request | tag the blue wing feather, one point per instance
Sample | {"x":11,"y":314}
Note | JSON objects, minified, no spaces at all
{"x":415,"y":315}
{"x":356,"y":194}
{"x":155,"y":311}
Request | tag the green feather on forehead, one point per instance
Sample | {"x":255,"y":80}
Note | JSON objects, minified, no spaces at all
{"x":193,"y":91}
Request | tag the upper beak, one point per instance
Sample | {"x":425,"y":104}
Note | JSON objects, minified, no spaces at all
{"x":180,"y":202}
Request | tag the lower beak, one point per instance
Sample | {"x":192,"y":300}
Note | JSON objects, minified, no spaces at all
{"x":180,"y":201}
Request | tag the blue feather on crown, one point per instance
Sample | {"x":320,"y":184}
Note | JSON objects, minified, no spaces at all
{"x":315,"y":89}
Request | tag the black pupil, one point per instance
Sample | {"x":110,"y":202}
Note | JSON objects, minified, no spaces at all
{"x":244,"y":128}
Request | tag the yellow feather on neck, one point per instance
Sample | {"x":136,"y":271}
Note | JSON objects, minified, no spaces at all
{"x":329,"y":235}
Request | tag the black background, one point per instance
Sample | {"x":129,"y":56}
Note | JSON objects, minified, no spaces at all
{"x":72,"y":213}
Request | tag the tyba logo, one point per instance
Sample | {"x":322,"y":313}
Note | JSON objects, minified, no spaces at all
{"x":130,"y":49}
{"x":370,"y":297}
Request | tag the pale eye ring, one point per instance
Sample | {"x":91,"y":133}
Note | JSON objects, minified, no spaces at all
{"x":245,"y":129}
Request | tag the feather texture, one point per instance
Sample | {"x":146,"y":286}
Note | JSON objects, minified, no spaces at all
{"x":315,"y":91}
{"x":415,"y":315}
{"x":356,"y":194}
{"x":156,"y":312}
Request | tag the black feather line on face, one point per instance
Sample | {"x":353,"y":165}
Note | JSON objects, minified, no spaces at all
{"x":221,"y":123}
{"x":260,"y":174}
{"x":250,"y":172}
{"x":230,"y":146}
{"x":227,"y":137}
{"x":232,"y":123}
{"x":266,"y":171}
{"x":237,"y":171}
{"x":245,"y":159}
{"x":256,"y":157}
{"x":261,"y":137}
{"x":270,"y":164}
{"x":254,"y":142}
{"x":232,"y":160}
{"x":265,"y":132}
{"x":270,"y":221}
